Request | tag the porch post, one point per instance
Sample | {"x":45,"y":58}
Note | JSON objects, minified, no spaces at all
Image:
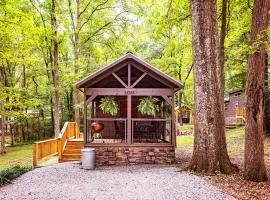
{"x":173,"y":122}
{"x":85,"y":135}
{"x":129,"y":132}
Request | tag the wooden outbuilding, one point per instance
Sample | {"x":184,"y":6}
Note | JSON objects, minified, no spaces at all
{"x":130,"y":136}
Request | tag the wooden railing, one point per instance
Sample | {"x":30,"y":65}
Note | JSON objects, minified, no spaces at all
{"x":43,"y":149}
{"x":69,"y":131}
{"x":55,"y":146}
{"x":240,"y":112}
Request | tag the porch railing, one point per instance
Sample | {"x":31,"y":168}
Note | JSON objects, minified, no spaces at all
{"x":55,"y":146}
{"x":145,"y":130}
{"x":114,"y":130}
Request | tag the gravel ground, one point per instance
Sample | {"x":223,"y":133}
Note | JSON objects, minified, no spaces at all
{"x":68,"y":181}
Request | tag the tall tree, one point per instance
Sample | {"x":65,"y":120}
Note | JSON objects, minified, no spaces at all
{"x":54,"y":53}
{"x":254,"y":168}
{"x":210,"y":151}
{"x":2,"y":121}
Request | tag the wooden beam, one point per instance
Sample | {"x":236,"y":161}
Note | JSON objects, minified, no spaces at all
{"x":119,"y":79}
{"x":85,"y":136}
{"x":139,"y":79}
{"x":155,"y":76}
{"x":173,"y":134}
{"x":89,"y":99}
{"x":129,"y":132}
{"x":100,"y":76}
{"x":129,"y":75}
{"x":131,"y":91}
{"x":167,"y":100}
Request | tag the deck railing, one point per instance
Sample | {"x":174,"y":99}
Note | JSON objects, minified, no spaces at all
{"x":55,"y":146}
{"x":44,"y":149}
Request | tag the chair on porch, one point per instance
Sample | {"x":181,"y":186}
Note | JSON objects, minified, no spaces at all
{"x":119,"y":130}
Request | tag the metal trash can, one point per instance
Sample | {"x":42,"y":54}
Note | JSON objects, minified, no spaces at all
{"x":88,"y":158}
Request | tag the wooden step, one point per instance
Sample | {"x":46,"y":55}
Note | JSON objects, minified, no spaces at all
{"x":71,"y":155}
{"x":69,"y":146}
{"x":72,"y":151}
{"x":69,"y":160}
{"x":79,"y":143}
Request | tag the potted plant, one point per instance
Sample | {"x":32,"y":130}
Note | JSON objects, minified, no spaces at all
{"x":109,"y":106}
{"x":148,"y":106}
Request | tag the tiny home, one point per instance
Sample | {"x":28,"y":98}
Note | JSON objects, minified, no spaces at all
{"x":235,"y":107}
{"x":129,"y":113}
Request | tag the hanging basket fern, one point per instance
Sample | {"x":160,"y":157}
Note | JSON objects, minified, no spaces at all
{"x":166,"y":109}
{"x":148,"y":106}
{"x":109,"y":106}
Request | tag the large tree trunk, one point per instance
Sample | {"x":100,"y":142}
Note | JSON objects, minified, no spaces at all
{"x":55,"y":71}
{"x":254,"y":141}
{"x":210,"y":151}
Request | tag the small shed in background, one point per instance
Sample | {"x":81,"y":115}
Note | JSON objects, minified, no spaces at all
{"x":186,"y":114}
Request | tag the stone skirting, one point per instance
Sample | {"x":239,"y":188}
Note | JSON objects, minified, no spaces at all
{"x":134,"y":155}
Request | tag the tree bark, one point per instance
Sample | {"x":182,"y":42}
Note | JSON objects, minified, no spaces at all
{"x":3,"y":130}
{"x":254,"y":167}
{"x":266,"y":98}
{"x":210,"y":151}
{"x":55,"y":70}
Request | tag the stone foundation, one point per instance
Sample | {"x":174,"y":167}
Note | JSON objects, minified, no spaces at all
{"x":134,"y":155}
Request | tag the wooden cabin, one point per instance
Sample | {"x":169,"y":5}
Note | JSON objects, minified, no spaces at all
{"x":235,"y":107}
{"x":130,"y":137}
{"x":185,"y":113}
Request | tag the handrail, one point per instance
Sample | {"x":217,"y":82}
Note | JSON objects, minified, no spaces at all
{"x":70,"y":130}
{"x":45,"y":148}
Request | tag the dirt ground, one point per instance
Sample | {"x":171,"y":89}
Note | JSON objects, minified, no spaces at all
{"x":235,"y":184}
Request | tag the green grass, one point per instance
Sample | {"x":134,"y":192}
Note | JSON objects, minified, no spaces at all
{"x":187,"y":140}
{"x":186,"y":127}
{"x":17,"y":155}
{"x":235,"y":139}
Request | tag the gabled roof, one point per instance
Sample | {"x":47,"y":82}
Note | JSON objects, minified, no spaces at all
{"x":129,"y":56}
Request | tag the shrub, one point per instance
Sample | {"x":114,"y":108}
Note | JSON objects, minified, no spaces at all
{"x":11,"y":173}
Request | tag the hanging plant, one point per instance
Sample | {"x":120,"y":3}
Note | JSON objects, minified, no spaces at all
{"x":108,"y":105}
{"x":148,"y":106}
{"x":166,"y":109}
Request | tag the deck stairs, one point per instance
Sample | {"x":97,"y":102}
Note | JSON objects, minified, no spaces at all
{"x":72,"y":151}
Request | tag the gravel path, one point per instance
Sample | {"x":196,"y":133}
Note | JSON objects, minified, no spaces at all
{"x":68,"y":181}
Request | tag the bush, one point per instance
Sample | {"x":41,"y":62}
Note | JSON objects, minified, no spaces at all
{"x":11,"y":173}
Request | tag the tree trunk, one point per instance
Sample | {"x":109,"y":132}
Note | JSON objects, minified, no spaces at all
{"x":210,"y":151}
{"x":76,"y":50}
{"x":254,"y":168}
{"x":266,"y":99}
{"x":2,"y":142}
{"x":55,"y":71}
{"x":2,"y":121}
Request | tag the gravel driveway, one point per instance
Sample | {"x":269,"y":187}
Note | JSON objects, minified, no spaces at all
{"x":68,"y":181}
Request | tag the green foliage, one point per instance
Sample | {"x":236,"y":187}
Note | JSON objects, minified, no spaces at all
{"x":157,"y":31}
{"x":148,"y":106}
{"x":109,"y":106}
{"x":7,"y":175}
{"x":166,"y":109}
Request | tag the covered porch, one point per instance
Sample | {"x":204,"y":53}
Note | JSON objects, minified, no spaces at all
{"x":143,"y":99}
